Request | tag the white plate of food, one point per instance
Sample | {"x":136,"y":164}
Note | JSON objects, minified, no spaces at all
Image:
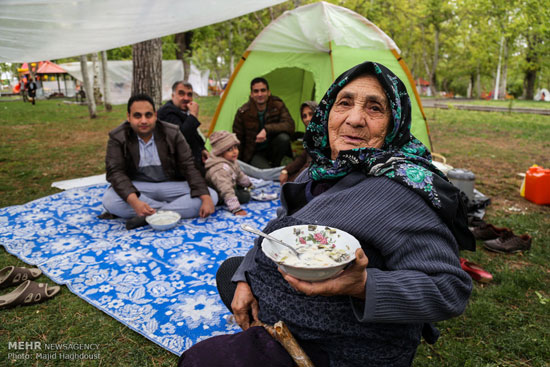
{"x":324,"y":251}
{"x":163,"y":220}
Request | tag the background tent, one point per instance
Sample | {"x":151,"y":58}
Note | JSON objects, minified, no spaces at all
{"x":303,"y":51}
{"x":50,"y":30}
{"x":120,"y":78}
{"x":542,"y":95}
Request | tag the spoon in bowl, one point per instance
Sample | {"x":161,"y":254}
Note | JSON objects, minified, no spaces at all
{"x":256,"y":231}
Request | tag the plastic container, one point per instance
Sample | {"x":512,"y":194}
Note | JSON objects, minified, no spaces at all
{"x":464,"y":180}
{"x":537,"y":185}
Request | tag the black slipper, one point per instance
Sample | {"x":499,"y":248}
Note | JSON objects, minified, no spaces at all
{"x":136,"y":222}
{"x":28,"y":293}
{"x":13,"y":275}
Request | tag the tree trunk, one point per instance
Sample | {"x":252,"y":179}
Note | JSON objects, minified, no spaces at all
{"x":435,"y":61}
{"x":183,"y":41}
{"x":87,"y":86}
{"x":95,"y":78}
{"x":497,"y":77}
{"x":106,"y":82}
{"x":504,"y":75}
{"x":147,"y":69}
{"x":529,"y":83}
{"x":532,"y":59}
{"x":478,"y":82}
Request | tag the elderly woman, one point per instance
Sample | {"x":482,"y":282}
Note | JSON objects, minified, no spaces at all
{"x":371,"y":178}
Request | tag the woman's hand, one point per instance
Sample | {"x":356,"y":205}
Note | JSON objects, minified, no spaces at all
{"x":350,"y":282}
{"x":283,"y":177}
{"x":243,"y":304}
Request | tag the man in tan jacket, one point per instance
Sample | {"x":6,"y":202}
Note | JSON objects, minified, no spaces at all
{"x":150,"y":166}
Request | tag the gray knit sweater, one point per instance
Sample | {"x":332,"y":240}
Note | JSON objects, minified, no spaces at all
{"x":413,"y":276}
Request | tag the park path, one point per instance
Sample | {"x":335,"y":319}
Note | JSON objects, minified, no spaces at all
{"x":434,"y":103}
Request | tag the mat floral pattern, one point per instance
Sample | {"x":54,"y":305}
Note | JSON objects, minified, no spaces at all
{"x":159,"y":283}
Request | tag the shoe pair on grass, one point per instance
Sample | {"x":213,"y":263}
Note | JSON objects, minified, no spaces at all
{"x":509,"y":243}
{"x":28,"y":292}
{"x":499,"y":239}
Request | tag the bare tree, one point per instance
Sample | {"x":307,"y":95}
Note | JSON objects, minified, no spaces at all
{"x":88,"y":86}
{"x":184,"y":52}
{"x":147,"y":69}
{"x":95,"y":78}
{"x":106,"y":84}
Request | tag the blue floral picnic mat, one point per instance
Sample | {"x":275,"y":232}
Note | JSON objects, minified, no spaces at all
{"x":160,"y":284}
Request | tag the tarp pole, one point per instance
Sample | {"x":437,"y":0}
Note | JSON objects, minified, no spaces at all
{"x":226,"y":91}
{"x":331,"y":60}
{"x":413,"y":86}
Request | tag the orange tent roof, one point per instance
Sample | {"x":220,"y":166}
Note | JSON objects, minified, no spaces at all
{"x":422,"y":82}
{"x":48,"y":67}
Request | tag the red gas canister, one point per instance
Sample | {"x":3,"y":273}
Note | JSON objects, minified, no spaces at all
{"x":537,"y":185}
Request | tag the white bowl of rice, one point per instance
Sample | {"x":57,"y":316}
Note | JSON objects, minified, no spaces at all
{"x":324,"y":251}
{"x":163,"y":220}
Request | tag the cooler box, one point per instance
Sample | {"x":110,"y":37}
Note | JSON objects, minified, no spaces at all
{"x":537,"y":185}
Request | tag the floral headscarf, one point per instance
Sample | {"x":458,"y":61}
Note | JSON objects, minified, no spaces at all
{"x":402,"y":157}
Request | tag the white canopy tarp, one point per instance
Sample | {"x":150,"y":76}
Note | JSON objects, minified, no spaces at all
{"x":32,"y":30}
{"x":120,"y":78}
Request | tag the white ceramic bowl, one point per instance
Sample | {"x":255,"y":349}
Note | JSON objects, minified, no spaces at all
{"x":163,"y":220}
{"x":291,"y":235}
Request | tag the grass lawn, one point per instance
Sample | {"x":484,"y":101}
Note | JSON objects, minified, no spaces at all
{"x":507,"y":322}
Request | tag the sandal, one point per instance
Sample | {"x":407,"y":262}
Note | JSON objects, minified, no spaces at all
{"x":12,"y":275}
{"x":28,"y":293}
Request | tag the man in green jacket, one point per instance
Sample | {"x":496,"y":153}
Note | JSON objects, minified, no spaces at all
{"x":264,"y":127}
{"x":150,"y":166}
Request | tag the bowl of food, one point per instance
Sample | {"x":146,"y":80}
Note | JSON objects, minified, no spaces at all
{"x":163,"y":220}
{"x":323,"y":251}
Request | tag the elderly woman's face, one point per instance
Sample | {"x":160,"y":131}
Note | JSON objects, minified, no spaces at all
{"x":359,"y":117}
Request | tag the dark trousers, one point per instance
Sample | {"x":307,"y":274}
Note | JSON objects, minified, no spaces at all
{"x":251,"y":348}
{"x":277,"y":148}
{"x":242,"y":194}
{"x":226,"y":288}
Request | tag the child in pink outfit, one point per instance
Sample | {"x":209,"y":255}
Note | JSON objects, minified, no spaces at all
{"x":224,"y":173}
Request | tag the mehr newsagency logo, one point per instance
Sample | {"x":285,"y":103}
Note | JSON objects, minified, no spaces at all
{"x":36,"y":350}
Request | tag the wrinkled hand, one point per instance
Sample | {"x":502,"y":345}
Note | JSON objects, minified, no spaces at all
{"x":193,"y":108}
{"x":262,"y":136}
{"x":207,"y":206}
{"x":204,"y":155}
{"x":243,"y":304}
{"x":350,"y":282}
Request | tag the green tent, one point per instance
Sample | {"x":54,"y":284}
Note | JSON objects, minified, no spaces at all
{"x":303,"y":51}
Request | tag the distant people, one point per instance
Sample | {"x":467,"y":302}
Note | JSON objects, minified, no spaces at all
{"x":150,"y":167}
{"x":184,"y":112}
{"x":294,"y":168}
{"x":224,"y":173}
{"x":263,"y":126}
{"x":23,"y":85}
{"x":31,"y":90}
